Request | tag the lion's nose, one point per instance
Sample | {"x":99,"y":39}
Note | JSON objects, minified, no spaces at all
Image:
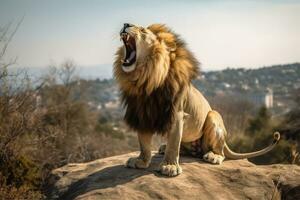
{"x":126,"y":25}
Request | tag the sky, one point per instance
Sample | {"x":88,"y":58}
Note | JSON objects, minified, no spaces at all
{"x":221,"y":34}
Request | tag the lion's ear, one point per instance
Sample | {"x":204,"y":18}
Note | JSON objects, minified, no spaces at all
{"x":169,"y":40}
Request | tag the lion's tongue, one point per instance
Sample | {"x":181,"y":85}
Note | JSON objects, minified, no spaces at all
{"x":128,"y":60}
{"x":132,"y":54}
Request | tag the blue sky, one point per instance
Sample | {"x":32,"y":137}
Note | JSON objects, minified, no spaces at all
{"x":220,"y":33}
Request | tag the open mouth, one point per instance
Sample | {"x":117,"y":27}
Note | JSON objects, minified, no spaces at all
{"x":130,"y":47}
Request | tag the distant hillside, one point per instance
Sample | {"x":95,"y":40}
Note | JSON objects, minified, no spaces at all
{"x":282,"y":79}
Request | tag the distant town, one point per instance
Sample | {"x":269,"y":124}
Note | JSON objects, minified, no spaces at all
{"x":272,"y":87}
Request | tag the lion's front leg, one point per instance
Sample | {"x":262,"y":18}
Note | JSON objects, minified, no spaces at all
{"x":144,"y":159}
{"x":170,"y":164}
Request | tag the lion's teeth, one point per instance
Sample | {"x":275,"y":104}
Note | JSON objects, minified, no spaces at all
{"x":127,"y":37}
{"x":124,"y":61}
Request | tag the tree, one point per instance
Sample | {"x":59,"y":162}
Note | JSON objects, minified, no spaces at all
{"x":261,"y":122}
{"x":290,"y":129}
{"x":19,"y":176}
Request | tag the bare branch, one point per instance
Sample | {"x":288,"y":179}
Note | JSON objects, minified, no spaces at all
{"x":7,"y":42}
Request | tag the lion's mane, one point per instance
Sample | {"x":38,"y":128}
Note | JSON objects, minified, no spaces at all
{"x":152,"y":91}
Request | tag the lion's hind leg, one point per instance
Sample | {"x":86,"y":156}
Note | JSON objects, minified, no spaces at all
{"x":213,"y":158}
{"x":213,"y":138}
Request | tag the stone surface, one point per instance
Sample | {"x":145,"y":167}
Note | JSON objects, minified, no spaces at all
{"x":108,"y":179}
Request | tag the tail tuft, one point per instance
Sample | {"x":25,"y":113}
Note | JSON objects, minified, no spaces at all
{"x":276,"y":136}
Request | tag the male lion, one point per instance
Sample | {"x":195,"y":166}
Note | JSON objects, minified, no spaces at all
{"x":154,"y":70}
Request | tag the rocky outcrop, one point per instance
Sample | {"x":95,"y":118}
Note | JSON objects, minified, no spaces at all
{"x":109,"y":179}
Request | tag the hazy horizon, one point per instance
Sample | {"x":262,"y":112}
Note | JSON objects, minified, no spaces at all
{"x":222,"y":34}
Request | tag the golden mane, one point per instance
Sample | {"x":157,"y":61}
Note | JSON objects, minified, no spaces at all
{"x":151,"y":92}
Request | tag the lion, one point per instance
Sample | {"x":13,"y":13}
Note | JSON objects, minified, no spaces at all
{"x":154,"y":70}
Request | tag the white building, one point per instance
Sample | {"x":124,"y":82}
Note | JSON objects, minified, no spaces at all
{"x":264,"y":98}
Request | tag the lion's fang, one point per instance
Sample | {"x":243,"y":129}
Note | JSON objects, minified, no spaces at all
{"x":124,"y":61}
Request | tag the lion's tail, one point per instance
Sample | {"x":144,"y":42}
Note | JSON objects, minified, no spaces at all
{"x":232,"y":155}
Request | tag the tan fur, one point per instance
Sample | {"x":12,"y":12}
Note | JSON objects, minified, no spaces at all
{"x":139,"y":80}
{"x":165,"y":60}
{"x":159,"y":98}
{"x":143,"y":160}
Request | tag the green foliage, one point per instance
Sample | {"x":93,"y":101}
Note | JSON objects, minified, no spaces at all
{"x":280,"y":154}
{"x":9,"y":192}
{"x":258,"y":135}
{"x":20,"y":171}
{"x":20,"y":178}
{"x":260,"y":123}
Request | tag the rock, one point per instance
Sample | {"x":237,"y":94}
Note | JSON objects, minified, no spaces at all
{"x":235,"y":179}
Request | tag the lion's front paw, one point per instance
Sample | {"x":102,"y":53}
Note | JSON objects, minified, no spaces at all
{"x":213,"y":158}
{"x":170,"y":169}
{"x":137,"y":163}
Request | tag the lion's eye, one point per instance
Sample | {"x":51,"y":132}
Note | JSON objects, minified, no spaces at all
{"x":143,"y":30}
{"x":143,"y":36}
